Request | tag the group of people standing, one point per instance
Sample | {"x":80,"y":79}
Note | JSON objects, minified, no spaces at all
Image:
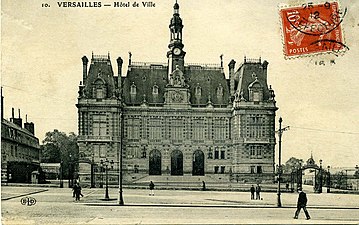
{"x":257,"y":191}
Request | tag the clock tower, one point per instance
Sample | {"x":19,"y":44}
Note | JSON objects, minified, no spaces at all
{"x":175,"y":54}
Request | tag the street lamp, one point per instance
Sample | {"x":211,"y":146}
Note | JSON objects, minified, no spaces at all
{"x":106,"y":170}
{"x":356,"y":174}
{"x":61,"y":178}
{"x":328,"y":189}
{"x":70,"y":171}
{"x":101,"y":171}
{"x":320,"y":176}
{"x":346,"y":179}
{"x":92,"y":172}
{"x":280,"y":132}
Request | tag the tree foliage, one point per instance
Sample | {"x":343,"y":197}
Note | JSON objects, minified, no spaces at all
{"x":58,"y":147}
{"x":292,"y":164}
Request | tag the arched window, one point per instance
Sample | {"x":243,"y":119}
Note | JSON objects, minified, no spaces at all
{"x":155,"y":90}
{"x":219,"y":91}
{"x":99,"y":89}
{"x":133,"y":90}
{"x":198,"y":91}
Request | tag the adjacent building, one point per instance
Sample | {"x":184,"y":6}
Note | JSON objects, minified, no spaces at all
{"x":20,"y":150}
{"x":176,"y":118}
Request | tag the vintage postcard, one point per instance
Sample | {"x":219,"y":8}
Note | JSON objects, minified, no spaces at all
{"x":179,"y":112}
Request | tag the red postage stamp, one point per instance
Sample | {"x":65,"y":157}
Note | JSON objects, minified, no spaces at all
{"x":312,"y":28}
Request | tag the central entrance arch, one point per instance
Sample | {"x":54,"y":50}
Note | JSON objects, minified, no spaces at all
{"x":155,"y":163}
{"x":198,"y":163}
{"x":177,"y":163}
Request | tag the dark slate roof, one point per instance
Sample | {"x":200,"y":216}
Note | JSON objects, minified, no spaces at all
{"x":245,"y":76}
{"x":144,"y":78}
{"x":209,"y":81}
{"x":100,"y":68}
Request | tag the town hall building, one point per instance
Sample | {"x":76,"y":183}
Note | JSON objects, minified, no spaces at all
{"x":176,"y":118}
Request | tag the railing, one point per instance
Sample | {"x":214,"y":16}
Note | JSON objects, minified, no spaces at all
{"x":153,"y":65}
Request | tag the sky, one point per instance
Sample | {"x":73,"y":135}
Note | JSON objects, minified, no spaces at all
{"x":41,"y":67}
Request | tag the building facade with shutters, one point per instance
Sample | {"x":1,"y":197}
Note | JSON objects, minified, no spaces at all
{"x":175,"y":118}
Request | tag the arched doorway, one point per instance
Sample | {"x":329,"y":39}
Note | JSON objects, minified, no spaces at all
{"x":198,"y":163}
{"x":177,"y":163}
{"x":155,"y":163}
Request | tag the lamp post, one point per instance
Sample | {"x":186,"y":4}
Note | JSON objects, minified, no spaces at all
{"x":120,"y":196}
{"x":328,"y":189}
{"x":101,"y":170}
{"x":280,"y":132}
{"x":346,"y":179}
{"x":320,"y":177}
{"x":70,"y":171}
{"x":106,"y":191}
{"x":92,"y":172}
{"x":356,"y":174}
{"x":61,"y":179}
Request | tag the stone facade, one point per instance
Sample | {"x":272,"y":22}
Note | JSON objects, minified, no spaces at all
{"x":176,"y":119}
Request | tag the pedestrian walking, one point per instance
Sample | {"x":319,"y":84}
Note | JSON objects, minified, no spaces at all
{"x":258,"y":192}
{"x":287,"y":186}
{"x":77,"y":192}
{"x":252,"y":192}
{"x":152,"y":187}
{"x":203,"y":185}
{"x":302,"y":203}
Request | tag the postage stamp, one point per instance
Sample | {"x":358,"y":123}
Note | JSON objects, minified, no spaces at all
{"x":312,"y":29}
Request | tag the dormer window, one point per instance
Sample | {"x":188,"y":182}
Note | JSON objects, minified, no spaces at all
{"x":255,"y":91}
{"x":133,"y":90}
{"x":219,"y":91}
{"x":99,"y":89}
{"x":155,"y":90}
{"x":198,"y":91}
{"x":99,"y":93}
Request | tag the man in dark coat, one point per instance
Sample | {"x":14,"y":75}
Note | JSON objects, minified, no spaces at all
{"x":152,"y":187}
{"x":258,"y":192}
{"x":302,"y":203}
{"x":252,"y":192}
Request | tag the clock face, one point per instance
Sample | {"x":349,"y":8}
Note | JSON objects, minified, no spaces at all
{"x":176,"y":51}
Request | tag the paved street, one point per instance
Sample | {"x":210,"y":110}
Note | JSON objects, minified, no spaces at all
{"x":56,"y":206}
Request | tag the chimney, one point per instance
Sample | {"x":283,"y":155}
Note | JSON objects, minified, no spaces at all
{"x":17,"y":121}
{"x":231,"y":66}
{"x":84,"y":68}
{"x":30,"y":127}
{"x":119,"y":72}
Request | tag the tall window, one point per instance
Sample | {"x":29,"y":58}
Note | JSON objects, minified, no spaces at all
{"x":133,"y":128}
{"x":99,"y":125}
{"x":216,"y":168}
{"x":216,"y":154}
{"x":223,"y":154}
{"x":155,"y":128}
{"x":198,"y":125}
{"x":253,"y":169}
{"x":177,"y":129}
{"x":256,"y":126}
{"x":256,"y":151}
{"x":220,"y":128}
{"x":222,"y":169}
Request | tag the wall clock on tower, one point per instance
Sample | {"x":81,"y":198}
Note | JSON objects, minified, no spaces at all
{"x":176,"y":51}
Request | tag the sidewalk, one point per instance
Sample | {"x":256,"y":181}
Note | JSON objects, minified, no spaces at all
{"x":183,"y":198}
